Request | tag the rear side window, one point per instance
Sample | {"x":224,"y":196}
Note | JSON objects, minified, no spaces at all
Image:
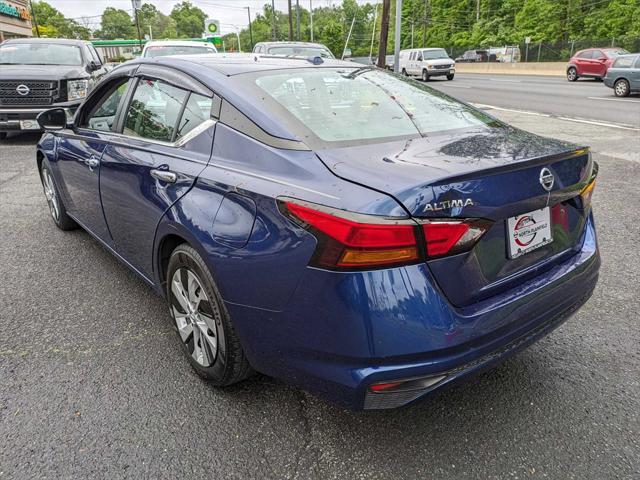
{"x":624,"y":62}
{"x":637,"y":62}
{"x":196,"y":111}
{"x":585,"y":54}
{"x":154,"y":110}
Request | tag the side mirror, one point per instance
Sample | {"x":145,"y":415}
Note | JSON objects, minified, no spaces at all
{"x":52,"y":119}
{"x":93,"y":66}
{"x":603,"y":59}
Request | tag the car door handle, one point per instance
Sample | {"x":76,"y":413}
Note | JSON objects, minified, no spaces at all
{"x":164,"y":176}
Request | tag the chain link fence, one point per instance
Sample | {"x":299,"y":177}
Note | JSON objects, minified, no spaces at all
{"x":560,"y":51}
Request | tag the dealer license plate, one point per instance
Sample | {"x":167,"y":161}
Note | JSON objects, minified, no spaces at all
{"x":529,"y":231}
{"x":29,"y":125}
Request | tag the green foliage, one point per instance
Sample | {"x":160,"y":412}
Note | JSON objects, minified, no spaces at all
{"x":117,"y":24}
{"x":52,"y":23}
{"x":189,"y":20}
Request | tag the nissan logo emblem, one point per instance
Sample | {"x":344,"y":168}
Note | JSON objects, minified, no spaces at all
{"x":22,"y":90}
{"x":546,"y":179}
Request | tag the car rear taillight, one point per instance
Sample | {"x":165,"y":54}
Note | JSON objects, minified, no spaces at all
{"x":351,"y":241}
{"x":587,"y":192}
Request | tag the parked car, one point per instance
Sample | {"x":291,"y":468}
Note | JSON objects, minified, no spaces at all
{"x":345,"y":229}
{"x":37,"y":74}
{"x":506,"y":54}
{"x":624,"y":75}
{"x":161,"y":48}
{"x":592,"y":62}
{"x":426,"y":63}
{"x":296,"y":49}
{"x":474,"y":56}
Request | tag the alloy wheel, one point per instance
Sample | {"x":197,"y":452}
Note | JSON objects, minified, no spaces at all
{"x":51,"y":194}
{"x":621,"y":88}
{"x":194,"y":316}
{"x":572,"y":74}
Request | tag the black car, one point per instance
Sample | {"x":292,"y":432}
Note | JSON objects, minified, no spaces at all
{"x":38,"y":74}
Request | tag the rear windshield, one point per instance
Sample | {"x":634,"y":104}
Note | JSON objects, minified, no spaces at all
{"x":300,"y":51}
{"x":434,"y":54}
{"x":39,"y":54}
{"x":164,"y":50}
{"x":351,"y":105}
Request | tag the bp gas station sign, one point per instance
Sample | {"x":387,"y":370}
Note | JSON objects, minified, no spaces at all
{"x":212,"y":31}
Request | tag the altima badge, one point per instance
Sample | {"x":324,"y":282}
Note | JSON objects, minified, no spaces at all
{"x":546,"y":179}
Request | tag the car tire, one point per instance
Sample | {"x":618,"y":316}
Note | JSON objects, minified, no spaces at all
{"x":450,"y":77}
{"x":404,"y":72}
{"x":56,"y":205}
{"x":201,"y":321}
{"x":425,"y":76}
{"x":621,"y":88}
{"x":572,"y":74}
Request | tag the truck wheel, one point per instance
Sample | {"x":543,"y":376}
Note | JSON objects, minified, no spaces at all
{"x":450,"y":76}
{"x":572,"y":74}
{"x":404,"y":72}
{"x":621,"y":88}
{"x":425,"y":76}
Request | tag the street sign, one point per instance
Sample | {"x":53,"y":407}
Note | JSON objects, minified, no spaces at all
{"x":137,"y":4}
{"x":527,"y":40}
{"x":211,"y":27}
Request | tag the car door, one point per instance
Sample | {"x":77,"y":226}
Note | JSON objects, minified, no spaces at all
{"x":80,"y":152}
{"x":634,"y":75}
{"x":166,"y":140}
{"x":582,"y":61}
{"x":599,"y":63}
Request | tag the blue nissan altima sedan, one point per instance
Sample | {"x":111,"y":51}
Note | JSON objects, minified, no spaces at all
{"x":352,"y":232}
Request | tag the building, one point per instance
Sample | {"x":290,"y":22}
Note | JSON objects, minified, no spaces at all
{"x":15,"y":19}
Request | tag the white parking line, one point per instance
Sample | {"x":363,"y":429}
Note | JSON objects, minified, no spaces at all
{"x":614,"y":99}
{"x":570,"y":119}
{"x":455,"y":86}
{"x":505,"y":80}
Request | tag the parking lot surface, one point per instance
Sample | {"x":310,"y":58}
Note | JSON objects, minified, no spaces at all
{"x":94,"y":384}
{"x":585,"y":99}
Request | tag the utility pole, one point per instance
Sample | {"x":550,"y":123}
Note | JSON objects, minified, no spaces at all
{"x":424,"y":25}
{"x":412,"y":34}
{"x":35,"y":20}
{"x":477,"y":10}
{"x":344,"y":50}
{"x":273,"y":14}
{"x":298,"y":19}
{"x":250,"y":30}
{"x":373,"y":33}
{"x":311,"y":17}
{"x":384,"y":34}
{"x":290,"y":22}
{"x":136,"y":5}
{"x":396,"y":46}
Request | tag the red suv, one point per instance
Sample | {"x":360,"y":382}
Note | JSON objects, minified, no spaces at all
{"x":592,"y":62}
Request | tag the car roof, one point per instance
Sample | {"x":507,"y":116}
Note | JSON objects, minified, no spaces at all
{"x":230,"y":64}
{"x":177,"y":43}
{"x":57,"y":41}
{"x":284,"y":44}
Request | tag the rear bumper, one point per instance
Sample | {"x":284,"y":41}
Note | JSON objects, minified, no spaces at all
{"x":342,"y":332}
{"x":10,"y":117}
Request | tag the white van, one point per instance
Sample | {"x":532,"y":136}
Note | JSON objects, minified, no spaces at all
{"x":426,"y":63}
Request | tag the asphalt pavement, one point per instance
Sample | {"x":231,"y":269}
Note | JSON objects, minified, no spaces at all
{"x":94,"y":384}
{"x":585,"y":99}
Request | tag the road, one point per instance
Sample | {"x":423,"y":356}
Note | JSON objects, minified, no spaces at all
{"x":94,"y":384}
{"x":585,"y":99}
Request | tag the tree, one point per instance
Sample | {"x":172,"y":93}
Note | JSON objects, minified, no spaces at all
{"x":384,"y":32}
{"x":52,"y":23}
{"x":189,"y":20}
{"x":117,"y":23}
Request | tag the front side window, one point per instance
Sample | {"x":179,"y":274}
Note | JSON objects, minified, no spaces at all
{"x":154,"y":110}
{"x":37,"y":53}
{"x":103,"y":114}
{"x":364,"y":104}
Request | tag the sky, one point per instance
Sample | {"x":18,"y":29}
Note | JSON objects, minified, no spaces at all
{"x":231,"y":13}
